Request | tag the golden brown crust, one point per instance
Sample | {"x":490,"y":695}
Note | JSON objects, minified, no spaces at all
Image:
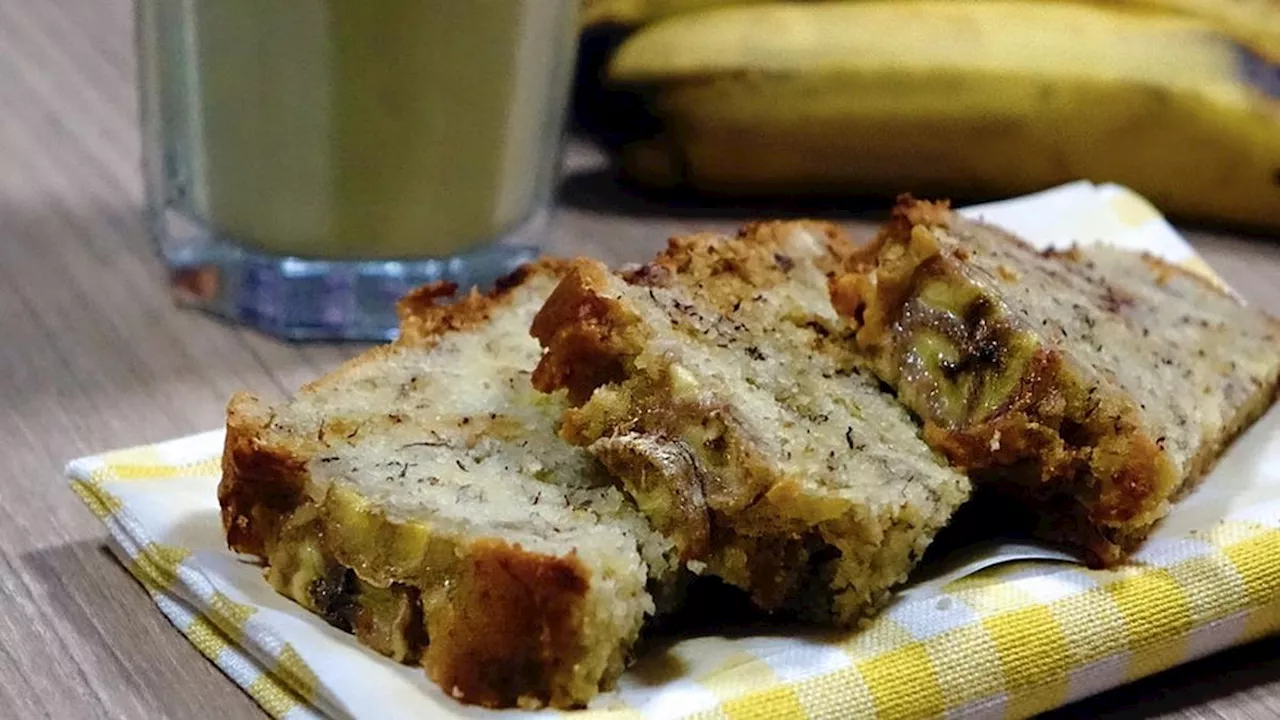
{"x":700,"y":257}
{"x":261,"y":483}
{"x":509,"y":633}
{"x":585,"y":334}
{"x":423,"y":317}
{"x":869,"y":305}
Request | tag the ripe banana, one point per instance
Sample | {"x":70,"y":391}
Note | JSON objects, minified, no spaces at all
{"x":960,"y":97}
{"x":1252,"y":22}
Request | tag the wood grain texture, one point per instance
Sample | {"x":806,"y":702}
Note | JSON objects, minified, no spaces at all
{"x":94,"y":356}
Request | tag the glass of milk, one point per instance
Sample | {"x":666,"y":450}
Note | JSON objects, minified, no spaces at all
{"x":307,"y":162}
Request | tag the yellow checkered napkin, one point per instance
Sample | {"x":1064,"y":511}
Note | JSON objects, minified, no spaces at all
{"x":1002,"y":631}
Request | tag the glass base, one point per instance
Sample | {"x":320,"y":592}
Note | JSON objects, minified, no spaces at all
{"x":316,"y":299}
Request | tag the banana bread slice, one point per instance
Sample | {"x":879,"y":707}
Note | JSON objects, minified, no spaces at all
{"x":1095,"y":384}
{"x":420,"y":498}
{"x":715,"y":384}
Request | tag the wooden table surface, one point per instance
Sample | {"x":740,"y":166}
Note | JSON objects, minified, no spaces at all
{"x":94,"y":356}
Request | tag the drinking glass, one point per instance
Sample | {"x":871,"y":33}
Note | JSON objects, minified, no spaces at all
{"x":307,"y":162}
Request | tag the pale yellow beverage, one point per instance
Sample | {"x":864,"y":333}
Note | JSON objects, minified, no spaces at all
{"x":361,"y":128}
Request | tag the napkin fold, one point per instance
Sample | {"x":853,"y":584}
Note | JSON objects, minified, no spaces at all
{"x":1000,"y":630}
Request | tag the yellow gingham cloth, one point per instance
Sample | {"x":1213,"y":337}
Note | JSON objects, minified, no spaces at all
{"x":990,"y":636}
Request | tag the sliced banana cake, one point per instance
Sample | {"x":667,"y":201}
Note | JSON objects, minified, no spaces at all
{"x":718,"y":385}
{"x":420,"y":498}
{"x":1095,"y":384}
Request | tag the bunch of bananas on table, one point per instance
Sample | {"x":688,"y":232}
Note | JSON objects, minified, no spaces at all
{"x":1178,"y":99}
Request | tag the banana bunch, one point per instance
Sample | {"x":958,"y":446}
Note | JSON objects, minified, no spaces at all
{"x":967,"y":98}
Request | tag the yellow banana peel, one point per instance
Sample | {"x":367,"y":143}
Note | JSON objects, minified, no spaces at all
{"x":958,"y":97}
{"x":1255,"y":23}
